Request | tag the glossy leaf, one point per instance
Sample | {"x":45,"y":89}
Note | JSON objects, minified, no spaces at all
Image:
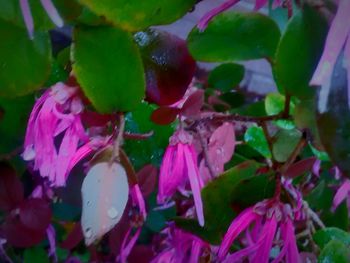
{"x":298,"y":52}
{"x":235,"y":36}
{"x":274,"y":104}
{"x":335,"y":251}
{"x":135,"y":15}
{"x":25,"y":63}
{"x":112,"y":72}
{"x":11,"y":190}
{"x":105,"y":193}
{"x":35,"y":214}
{"x":323,"y":236}
{"x":333,"y":117}
{"x":226,"y":76}
{"x":285,"y":143}
{"x":169,"y":68}
{"x":255,"y":138}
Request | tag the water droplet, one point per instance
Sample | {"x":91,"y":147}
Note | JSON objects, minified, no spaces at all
{"x":88,"y":203}
{"x":112,"y":212}
{"x":88,"y":232}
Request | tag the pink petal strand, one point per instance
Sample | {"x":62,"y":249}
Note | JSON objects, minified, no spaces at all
{"x":203,"y":22}
{"x":342,"y":193}
{"x":27,"y":17}
{"x":335,"y":41}
{"x":52,"y":12}
{"x":195,"y":182}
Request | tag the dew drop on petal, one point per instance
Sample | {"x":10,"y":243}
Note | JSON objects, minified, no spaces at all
{"x":112,"y":212}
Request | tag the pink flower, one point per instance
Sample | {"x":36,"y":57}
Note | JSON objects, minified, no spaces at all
{"x":204,"y":21}
{"x":343,"y":193}
{"x":338,"y":35}
{"x":56,"y":115}
{"x":179,"y":167}
{"x":28,"y":18}
{"x":181,"y":247}
{"x":129,"y":241}
{"x":261,"y":224}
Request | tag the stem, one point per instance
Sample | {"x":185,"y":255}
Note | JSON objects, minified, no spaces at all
{"x":118,"y":141}
{"x":205,"y":152}
{"x":285,"y":113}
{"x":138,"y":136}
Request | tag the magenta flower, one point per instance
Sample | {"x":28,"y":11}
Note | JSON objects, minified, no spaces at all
{"x":179,"y":166}
{"x":261,"y":225}
{"x":343,"y":193}
{"x":129,"y":241}
{"x":338,"y":35}
{"x":181,"y":247}
{"x":204,"y":21}
{"x":55,"y":115}
{"x":28,"y":18}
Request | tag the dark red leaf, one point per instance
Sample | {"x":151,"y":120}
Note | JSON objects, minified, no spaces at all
{"x":300,"y":167}
{"x":94,"y":119}
{"x":19,"y":235}
{"x":164,"y":115}
{"x":141,"y":254}
{"x":147,"y":177}
{"x":193,"y":104}
{"x":35,"y":214}
{"x":11,"y":189}
{"x":73,"y":238}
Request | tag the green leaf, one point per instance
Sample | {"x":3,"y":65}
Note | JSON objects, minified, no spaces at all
{"x":225,"y":196}
{"x":226,"y":76}
{"x":217,"y":196}
{"x":14,"y":121}
{"x":142,"y":152}
{"x":285,"y":143}
{"x":235,"y":36}
{"x":25,"y":64}
{"x":134,"y":15}
{"x":35,"y":254}
{"x":335,"y":252}
{"x":10,"y":11}
{"x":324,"y":236}
{"x":274,"y":104}
{"x":298,"y":53}
{"x":255,"y":138}
{"x":108,"y":66}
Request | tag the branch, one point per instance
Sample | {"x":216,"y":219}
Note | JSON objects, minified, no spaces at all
{"x":118,"y":141}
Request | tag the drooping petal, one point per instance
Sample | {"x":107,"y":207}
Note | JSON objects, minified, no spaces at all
{"x":259,"y":4}
{"x":165,"y":174}
{"x":195,"y":251}
{"x":138,"y":199}
{"x":195,"y":182}
{"x":241,"y":254}
{"x":128,"y":244}
{"x":52,"y":12}
{"x":336,"y":38}
{"x":342,"y":193}
{"x":238,"y":225}
{"x":51,"y":236}
{"x":27,"y":17}
{"x":203,"y":22}
{"x":267,"y":235}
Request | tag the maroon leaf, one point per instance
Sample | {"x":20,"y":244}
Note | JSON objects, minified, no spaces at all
{"x":91,"y":119}
{"x":193,"y":104}
{"x":73,"y":238}
{"x":19,"y":235}
{"x":11,"y":190}
{"x":141,"y":254}
{"x":35,"y":214}
{"x":164,"y":115}
{"x":147,"y":178}
{"x":300,"y":167}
